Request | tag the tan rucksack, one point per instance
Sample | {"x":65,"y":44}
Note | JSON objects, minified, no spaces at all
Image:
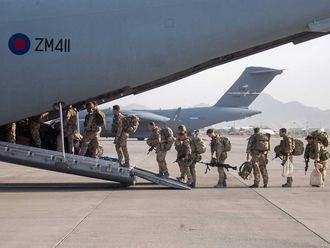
{"x":321,"y":137}
{"x":99,"y":118}
{"x":167,"y":138}
{"x":226,"y":143}
{"x":130,"y":123}
{"x":261,"y":143}
{"x":198,"y":145}
{"x":298,"y":147}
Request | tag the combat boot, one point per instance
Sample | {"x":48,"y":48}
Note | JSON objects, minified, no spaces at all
{"x":219,"y":186}
{"x":254,"y":186}
{"x":166,"y":175}
{"x":286,"y":185}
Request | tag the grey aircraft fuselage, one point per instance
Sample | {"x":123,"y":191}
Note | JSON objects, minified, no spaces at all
{"x":73,"y":51}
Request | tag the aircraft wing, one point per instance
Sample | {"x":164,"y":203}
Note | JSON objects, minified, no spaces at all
{"x":147,"y":115}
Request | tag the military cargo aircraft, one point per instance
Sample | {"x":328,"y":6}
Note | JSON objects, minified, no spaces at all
{"x":233,"y":105}
{"x":75,"y":51}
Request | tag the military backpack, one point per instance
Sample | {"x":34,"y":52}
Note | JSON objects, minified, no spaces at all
{"x":261,"y":143}
{"x":167,"y":138}
{"x":298,"y":147}
{"x":99,"y":118}
{"x":245,"y":170}
{"x":130,"y":123}
{"x":198,"y":145}
{"x":322,"y":137}
{"x":226,"y":143}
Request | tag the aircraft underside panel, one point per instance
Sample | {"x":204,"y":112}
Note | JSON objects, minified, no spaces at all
{"x":77,"y":165}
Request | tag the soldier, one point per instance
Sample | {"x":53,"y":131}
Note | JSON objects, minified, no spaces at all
{"x":314,"y":150}
{"x":257,"y":148}
{"x":286,"y":147}
{"x":155,"y":141}
{"x":11,"y":132}
{"x":70,"y":129}
{"x":181,"y":129}
{"x":35,"y":123}
{"x":91,"y":135}
{"x":182,"y":145}
{"x":219,"y":155}
{"x":195,"y":157}
{"x":120,"y":135}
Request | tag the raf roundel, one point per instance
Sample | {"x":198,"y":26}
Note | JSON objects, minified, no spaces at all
{"x":19,"y":44}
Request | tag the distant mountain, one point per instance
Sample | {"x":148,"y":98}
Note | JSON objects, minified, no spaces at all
{"x":134,"y":106}
{"x":276,"y":114}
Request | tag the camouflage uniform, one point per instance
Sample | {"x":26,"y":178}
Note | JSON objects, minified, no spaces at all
{"x":313,"y":151}
{"x":11,"y":132}
{"x":286,"y":145}
{"x":120,"y":138}
{"x":91,"y":135}
{"x":35,"y":123}
{"x":70,"y":130}
{"x":183,"y":157}
{"x":258,"y":160}
{"x":155,"y":141}
{"x":218,"y":148}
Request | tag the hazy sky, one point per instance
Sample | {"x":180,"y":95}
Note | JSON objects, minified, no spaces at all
{"x":306,"y":79}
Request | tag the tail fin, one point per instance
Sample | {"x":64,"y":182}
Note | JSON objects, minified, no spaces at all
{"x":248,"y":87}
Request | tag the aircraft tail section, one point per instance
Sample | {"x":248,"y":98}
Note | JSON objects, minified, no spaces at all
{"x":248,"y":87}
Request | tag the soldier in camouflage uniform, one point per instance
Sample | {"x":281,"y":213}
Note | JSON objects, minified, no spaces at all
{"x":258,"y":160}
{"x":182,"y":145}
{"x":155,"y":141}
{"x":70,"y":129}
{"x":314,"y":151}
{"x":182,"y":177}
{"x":11,"y":132}
{"x":219,"y":155}
{"x":195,"y":157}
{"x":120,"y":136}
{"x":35,"y":123}
{"x":286,"y":147}
{"x":91,"y":135}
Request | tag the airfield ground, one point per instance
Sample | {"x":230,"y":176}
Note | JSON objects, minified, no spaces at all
{"x":47,"y":209}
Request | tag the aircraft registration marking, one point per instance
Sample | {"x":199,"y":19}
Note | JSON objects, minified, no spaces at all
{"x":20,"y":44}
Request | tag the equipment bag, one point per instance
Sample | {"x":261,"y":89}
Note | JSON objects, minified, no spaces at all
{"x":226,"y":143}
{"x":324,"y":154}
{"x":167,"y":138}
{"x":298,"y":147}
{"x":261,"y":143}
{"x":99,"y":118}
{"x":245,"y":170}
{"x":198,"y":145}
{"x":322,"y":137}
{"x":316,"y":178}
{"x":130,"y":123}
{"x":287,"y":169}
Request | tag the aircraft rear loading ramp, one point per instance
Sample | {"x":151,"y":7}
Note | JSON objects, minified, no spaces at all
{"x":82,"y":166}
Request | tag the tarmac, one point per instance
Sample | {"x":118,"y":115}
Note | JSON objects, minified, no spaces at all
{"x":46,"y":209}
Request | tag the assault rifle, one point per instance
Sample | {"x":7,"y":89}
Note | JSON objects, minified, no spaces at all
{"x":180,"y":158}
{"x":151,"y":149}
{"x":278,"y":156}
{"x":214,"y":164}
{"x":306,"y":165}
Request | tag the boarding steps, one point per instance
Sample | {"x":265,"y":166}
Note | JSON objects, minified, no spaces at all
{"x":109,"y":169}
